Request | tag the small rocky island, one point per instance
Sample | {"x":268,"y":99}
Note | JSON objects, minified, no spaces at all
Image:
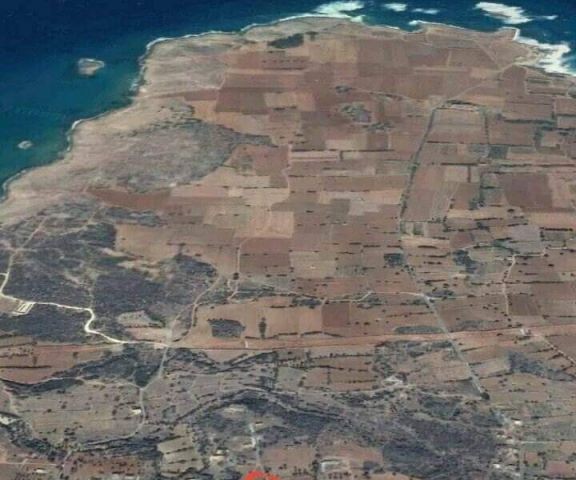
{"x":88,"y":67}
{"x":25,"y":145}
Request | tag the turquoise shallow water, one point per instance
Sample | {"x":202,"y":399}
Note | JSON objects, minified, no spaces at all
{"x":41,"y":94}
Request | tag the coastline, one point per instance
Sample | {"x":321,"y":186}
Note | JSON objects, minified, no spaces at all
{"x":552,"y":55}
{"x":6,"y":185}
{"x":135,"y":90}
{"x":132,"y":94}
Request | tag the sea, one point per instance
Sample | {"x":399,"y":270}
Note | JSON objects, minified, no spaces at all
{"x":41,"y":41}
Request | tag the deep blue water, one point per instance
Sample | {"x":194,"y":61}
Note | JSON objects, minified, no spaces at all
{"x":41,"y":94}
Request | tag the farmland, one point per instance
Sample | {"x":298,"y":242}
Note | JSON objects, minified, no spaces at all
{"x":317,"y":248}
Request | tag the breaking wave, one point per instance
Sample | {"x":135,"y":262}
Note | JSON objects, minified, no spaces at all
{"x":555,"y":58}
{"x":508,"y":14}
{"x":340,"y":9}
{"x":396,"y":7}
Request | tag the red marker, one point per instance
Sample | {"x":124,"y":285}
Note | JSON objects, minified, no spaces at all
{"x":260,"y":475}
